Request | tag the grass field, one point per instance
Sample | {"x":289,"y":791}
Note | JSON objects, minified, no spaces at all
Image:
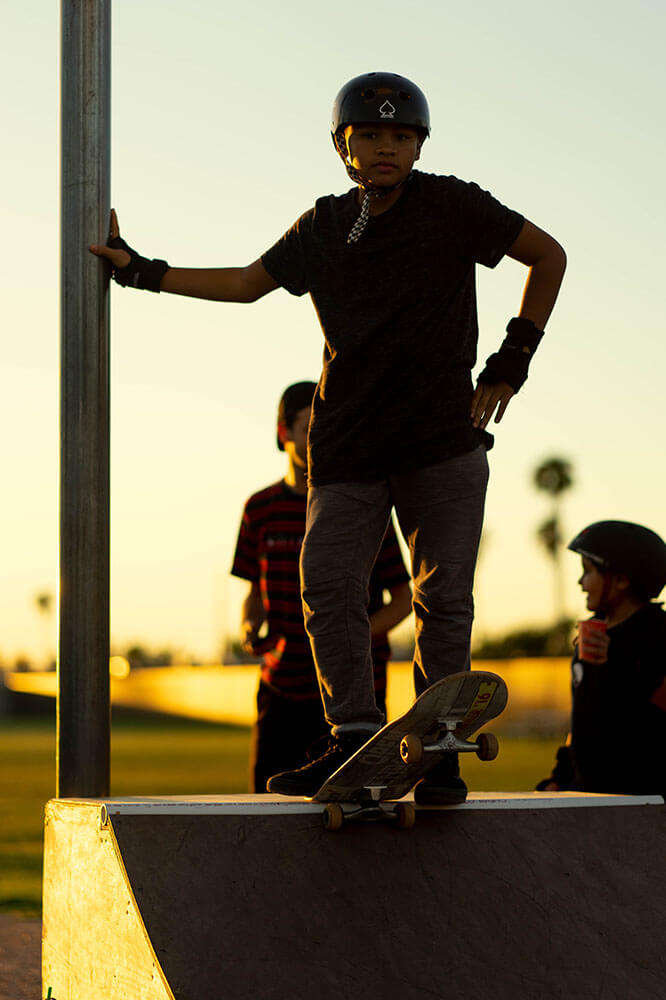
{"x":166,"y":757}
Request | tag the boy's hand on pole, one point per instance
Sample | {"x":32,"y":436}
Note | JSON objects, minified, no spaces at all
{"x":116,"y":257}
{"x":488,"y":398}
{"x":129,"y":267}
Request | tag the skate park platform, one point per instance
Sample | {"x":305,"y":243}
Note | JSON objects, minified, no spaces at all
{"x":507,"y":896}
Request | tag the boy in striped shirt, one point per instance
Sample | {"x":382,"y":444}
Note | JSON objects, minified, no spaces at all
{"x":290,"y":716}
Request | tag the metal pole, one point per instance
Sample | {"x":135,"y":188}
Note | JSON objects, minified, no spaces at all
{"x":83,"y":647}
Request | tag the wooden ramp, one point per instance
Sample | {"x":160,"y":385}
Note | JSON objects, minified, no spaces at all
{"x":512,"y":896}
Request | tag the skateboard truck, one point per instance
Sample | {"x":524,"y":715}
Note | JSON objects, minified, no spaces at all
{"x":412,"y":747}
{"x":369,"y":810}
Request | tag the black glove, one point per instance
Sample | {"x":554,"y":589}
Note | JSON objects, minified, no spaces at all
{"x":511,"y":362}
{"x":140,"y":272}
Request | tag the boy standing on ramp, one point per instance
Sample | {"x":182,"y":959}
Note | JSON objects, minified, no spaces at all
{"x":390,"y":267}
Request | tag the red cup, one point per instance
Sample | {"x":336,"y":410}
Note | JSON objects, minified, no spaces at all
{"x":586,"y":631}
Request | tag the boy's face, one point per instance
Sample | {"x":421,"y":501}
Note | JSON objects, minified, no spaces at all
{"x":592,"y":583}
{"x":383,"y":154}
{"x":295,"y":438}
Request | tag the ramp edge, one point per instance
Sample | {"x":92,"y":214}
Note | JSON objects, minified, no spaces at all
{"x":267,"y":805}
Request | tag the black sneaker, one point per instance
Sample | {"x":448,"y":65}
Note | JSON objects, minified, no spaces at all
{"x":308,"y":780}
{"x":442,"y":785}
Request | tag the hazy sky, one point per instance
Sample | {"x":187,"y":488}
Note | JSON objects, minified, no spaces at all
{"x":220,"y":140}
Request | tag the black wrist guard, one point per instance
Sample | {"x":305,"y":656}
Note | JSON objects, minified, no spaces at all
{"x":140,"y":272}
{"x":511,"y":362}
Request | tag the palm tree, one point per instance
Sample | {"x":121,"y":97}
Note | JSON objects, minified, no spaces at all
{"x":554,"y":476}
{"x":44,"y":603}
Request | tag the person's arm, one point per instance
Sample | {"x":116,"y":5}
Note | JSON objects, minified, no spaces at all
{"x":253,"y":615}
{"x":220,"y":284}
{"x":562,"y":774}
{"x":392,"y":613}
{"x":546,"y":261}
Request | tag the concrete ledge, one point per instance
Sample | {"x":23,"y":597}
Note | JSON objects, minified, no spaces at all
{"x":257,"y":805}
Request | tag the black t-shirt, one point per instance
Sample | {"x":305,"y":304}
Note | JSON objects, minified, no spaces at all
{"x":618,"y":737}
{"x":398,"y":313}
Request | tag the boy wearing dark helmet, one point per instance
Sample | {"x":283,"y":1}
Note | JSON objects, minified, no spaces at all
{"x":618,"y":724}
{"x":390,"y":267}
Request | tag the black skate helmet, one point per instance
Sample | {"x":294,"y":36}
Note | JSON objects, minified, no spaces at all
{"x":376,"y":97}
{"x":380,"y":97}
{"x":624,"y":547}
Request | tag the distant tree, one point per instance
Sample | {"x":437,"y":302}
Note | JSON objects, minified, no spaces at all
{"x":44,"y":602}
{"x":45,"y":605}
{"x":550,"y":536}
{"x":554,"y":476}
{"x":139,"y":656}
{"x":528,"y":642}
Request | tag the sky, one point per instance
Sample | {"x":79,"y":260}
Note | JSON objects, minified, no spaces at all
{"x":220,"y":140}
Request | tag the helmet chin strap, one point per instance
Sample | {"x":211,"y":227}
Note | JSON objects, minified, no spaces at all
{"x":369,"y":189}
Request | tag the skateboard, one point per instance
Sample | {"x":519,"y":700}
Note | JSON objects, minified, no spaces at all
{"x":440,"y":721}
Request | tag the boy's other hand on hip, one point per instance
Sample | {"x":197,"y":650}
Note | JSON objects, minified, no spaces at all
{"x":487,"y":399}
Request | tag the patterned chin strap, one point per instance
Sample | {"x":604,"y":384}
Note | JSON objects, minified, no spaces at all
{"x":357,"y":229}
{"x":369,"y":189}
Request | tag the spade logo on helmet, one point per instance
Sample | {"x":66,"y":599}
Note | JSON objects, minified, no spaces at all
{"x":387,"y":110}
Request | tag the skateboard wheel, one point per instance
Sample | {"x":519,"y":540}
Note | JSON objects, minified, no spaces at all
{"x":334,"y":816}
{"x":411,"y":749}
{"x":405,"y":814}
{"x":487,"y":746}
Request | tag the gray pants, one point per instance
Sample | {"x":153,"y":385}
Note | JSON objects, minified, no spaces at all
{"x":440,"y":512}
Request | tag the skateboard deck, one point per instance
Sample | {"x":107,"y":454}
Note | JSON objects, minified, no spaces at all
{"x":440,"y":721}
